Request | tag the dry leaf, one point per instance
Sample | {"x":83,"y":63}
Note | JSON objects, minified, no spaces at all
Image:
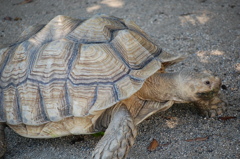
{"x":153,"y":145}
{"x":23,"y":2}
{"x":10,"y":18}
{"x":227,"y":117}
{"x":17,"y":18}
{"x":165,"y":144}
{"x":201,"y":138}
{"x":7,"y":18}
{"x":197,"y":139}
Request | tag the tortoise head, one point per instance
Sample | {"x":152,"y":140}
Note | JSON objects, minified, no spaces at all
{"x":198,"y":85}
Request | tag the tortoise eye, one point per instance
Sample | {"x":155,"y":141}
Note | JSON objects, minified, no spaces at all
{"x":207,"y":82}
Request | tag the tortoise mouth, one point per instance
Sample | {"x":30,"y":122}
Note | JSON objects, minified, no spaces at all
{"x":207,"y":95}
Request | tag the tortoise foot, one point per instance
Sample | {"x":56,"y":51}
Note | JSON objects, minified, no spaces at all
{"x":212,"y":108}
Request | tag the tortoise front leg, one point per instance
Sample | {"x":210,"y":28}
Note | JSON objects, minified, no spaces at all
{"x":118,"y":137}
{"x":2,"y":140}
{"x":213,"y":107}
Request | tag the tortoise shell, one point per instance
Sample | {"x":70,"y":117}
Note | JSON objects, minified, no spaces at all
{"x":73,"y":68}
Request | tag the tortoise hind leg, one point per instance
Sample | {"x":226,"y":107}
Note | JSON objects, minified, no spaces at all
{"x":118,"y":137}
{"x":2,"y":140}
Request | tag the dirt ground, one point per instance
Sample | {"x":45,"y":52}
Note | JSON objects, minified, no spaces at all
{"x":208,"y":30}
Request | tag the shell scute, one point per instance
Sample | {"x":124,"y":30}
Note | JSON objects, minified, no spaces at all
{"x":56,"y":29}
{"x":11,"y":106}
{"x":134,"y":48}
{"x":125,"y":87}
{"x":134,"y":27}
{"x":32,"y":109}
{"x":105,"y":95}
{"x":29,"y":32}
{"x":55,"y":103}
{"x":81,"y":98}
{"x":97,"y":62}
{"x":96,"y":29}
{"x":52,"y":61}
{"x":16,"y":68}
{"x":3,"y":55}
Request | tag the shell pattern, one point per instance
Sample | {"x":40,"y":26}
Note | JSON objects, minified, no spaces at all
{"x":71,"y":67}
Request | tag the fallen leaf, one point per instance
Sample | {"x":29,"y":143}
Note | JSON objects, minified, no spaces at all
{"x":153,"y":145}
{"x":185,"y":14}
{"x":197,"y":139}
{"x":23,"y":2}
{"x":201,"y":138}
{"x":165,"y":144}
{"x":7,"y":18}
{"x":17,"y":18}
{"x":10,"y":18}
{"x":227,"y":117}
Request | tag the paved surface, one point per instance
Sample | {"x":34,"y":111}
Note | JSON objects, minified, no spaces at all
{"x":208,"y":30}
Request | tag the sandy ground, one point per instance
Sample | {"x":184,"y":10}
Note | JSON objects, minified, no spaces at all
{"x":208,"y":30}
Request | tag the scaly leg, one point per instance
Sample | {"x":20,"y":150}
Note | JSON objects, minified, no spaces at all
{"x":118,"y":137}
{"x":212,"y":108}
{"x":2,"y":140}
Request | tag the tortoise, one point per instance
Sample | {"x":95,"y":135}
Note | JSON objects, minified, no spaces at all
{"x":82,"y":76}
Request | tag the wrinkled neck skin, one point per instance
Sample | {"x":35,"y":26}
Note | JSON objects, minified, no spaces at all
{"x":162,"y":87}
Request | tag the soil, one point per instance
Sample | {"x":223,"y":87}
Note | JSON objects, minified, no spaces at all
{"x":207,"y":30}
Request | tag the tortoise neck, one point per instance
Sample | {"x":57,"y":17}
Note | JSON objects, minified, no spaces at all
{"x":161,"y":87}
